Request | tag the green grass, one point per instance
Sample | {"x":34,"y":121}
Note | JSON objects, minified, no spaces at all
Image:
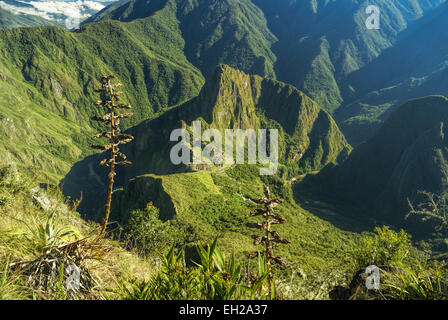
{"x":28,"y":229}
{"x":210,"y":204}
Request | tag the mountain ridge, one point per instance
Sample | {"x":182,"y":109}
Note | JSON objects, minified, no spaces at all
{"x":407,"y":155}
{"x":229,"y":99}
{"x":307,"y":47}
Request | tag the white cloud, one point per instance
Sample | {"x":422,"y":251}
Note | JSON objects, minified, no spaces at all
{"x":72,"y":12}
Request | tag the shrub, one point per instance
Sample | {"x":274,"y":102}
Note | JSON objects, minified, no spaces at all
{"x":434,"y":209}
{"x":386,"y":247}
{"x":148,"y":233}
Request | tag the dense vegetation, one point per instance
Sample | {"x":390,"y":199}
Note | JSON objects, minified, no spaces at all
{"x":185,"y":231}
{"x":35,"y":220}
{"x":52,"y":73}
{"x":407,"y":155}
{"x":321,"y":47}
{"x":309,"y":137}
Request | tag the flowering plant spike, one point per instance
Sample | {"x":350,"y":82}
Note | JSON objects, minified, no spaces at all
{"x":270,"y":239}
{"x":113,"y":134}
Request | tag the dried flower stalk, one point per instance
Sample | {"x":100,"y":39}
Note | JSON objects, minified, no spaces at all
{"x":114,"y":136}
{"x":270,"y":238}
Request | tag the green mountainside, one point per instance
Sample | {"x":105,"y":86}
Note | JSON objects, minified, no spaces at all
{"x":321,"y":47}
{"x":309,"y":138}
{"x":51,"y":73}
{"x":233,"y":32}
{"x":408,"y":154}
{"x":322,"y":42}
{"x":248,"y":64}
{"x":203,"y":201}
{"x":159,"y":51}
{"x":202,"y":205}
{"x":415,"y":66}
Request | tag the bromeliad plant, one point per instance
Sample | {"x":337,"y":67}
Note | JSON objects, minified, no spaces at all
{"x":213,"y":277}
{"x":113,"y":134}
{"x":270,"y":238}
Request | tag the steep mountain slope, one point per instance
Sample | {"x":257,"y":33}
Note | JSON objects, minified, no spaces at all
{"x":416,"y":66}
{"x":408,"y":154}
{"x":233,"y":32}
{"x":49,"y":73}
{"x":321,"y":42}
{"x":308,"y":138}
{"x":313,"y":45}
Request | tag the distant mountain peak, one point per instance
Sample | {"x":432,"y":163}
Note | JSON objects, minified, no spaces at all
{"x":309,"y":138}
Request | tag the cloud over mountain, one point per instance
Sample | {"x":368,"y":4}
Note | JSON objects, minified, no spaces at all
{"x":66,"y":13}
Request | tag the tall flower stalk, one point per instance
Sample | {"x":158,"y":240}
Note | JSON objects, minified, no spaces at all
{"x":115,"y":138}
{"x":270,"y":238}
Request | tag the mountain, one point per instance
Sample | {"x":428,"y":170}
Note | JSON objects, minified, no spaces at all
{"x":321,"y":47}
{"x":48,"y":76}
{"x":408,"y":154}
{"x":309,"y":138}
{"x":64,"y":13}
{"x":221,"y":63}
{"x":233,"y":32}
{"x":162,"y":49}
{"x":322,"y":42}
{"x":416,"y":66}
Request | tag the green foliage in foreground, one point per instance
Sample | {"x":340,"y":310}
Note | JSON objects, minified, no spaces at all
{"x":212,"y":278}
{"x":34,"y":220}
{"x":214,"y":273}
{"x":405,"y":273}
{"x":148,"y":233}
{"x":386,"y":247}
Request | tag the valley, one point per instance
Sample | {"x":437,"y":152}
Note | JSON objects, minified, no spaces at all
{"x":361,"y":119}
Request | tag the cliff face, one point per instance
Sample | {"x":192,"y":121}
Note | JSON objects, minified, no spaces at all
{"x":230,"y":99}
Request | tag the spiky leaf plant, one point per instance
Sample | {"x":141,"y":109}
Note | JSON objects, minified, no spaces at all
{"x":270,"y":239}
{"x":110,"y":102}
